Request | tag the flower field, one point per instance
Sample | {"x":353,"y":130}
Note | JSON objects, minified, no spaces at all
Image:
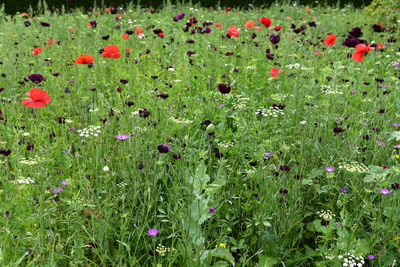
{"x":190,"y":136}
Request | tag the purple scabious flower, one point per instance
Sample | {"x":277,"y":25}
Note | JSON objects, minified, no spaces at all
{"x":212,"y":210}
{"x":329,"y":169}
{"x":152,"y":232}
{"x":384,"y":191}
{"x":343,"y":190}
{"x":122,"y":136}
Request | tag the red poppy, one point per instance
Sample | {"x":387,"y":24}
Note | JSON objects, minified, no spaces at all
{"x":125,"y":36}
{"x":161,"y":34}
{"x":138,"y":30}
{"x":250,"y":24}
{"x":330,"y":39}
{"x":317,"y":52}
{"x":39,"y":98}
{"x":233,"y":32}
{"x":257,"y":28}
{"x":84,"y":59}
{"x":108,"y":9}
{"x":111,"y":51}
{"x":278,"y":28}
{"x":25,"y":15}
{"x":218,"y":24}
{"x":379,"y":46}
{"x":265,"y":21}
{"x":37,"y":50}
{"x":51,"y":41}
{"x":360,"y":50}
{"x":275,"y":72}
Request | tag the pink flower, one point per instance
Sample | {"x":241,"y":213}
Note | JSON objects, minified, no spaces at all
{"x":329,"y":169}
{"x":152,"y":232}
{"x":122,"y":136}
{"x":384,"y":191}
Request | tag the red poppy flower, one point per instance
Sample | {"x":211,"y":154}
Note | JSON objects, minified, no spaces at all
{"x":138,"y":30}
{"x":39,"y":98}
{"x":84,"y":59}
{"x":125,"y":36}
{"x":278,"y":28}
{"x":250,"y":24}
{"x":360,"y":50}
{"x":37,"y":50}
{"x":330,"y":39}
{"x":379,"y":46}
{"x":108,"y":9}
{"x":25,"y":15}
{"x":265,"y":21}
{"x":257,"y":28}
{"x":51,"y":41}
{"x":233,"y":32}
{"x":111,"y":51}
{"x":275,"y":72}
{"x":161,"y":34}
{"x":218,"y":24}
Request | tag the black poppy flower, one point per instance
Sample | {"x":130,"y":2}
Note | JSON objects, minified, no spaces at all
{"x":382,"y":110}
{"x":30,"y":147}
{"x":275,"y":38}
{"x":395,"y":186}
{"x":36,"y":78}
{"x":283,"y":191}
{"x":45,"y":24}
{"x":157,"y":31}
{"x":123,"y":81}
{"x":217,"y":153}
{"x":105,"y":37}
{"x":114,"y":11}
{"x":355,"y":33}
{"x":312,"y":24}
{"x":163,"y":148}
{"x":5,"y":152}
{"x":337,"y":130}
{"x":351,"y":42}
{"x":206,"y":122}
{"x":324,"y":223}
{"x":93,"y":23}
{"x":224,"y":89}
{"x":179,"y":16}
{"x":144,"y":113}
{"x":129,"y":32}
{"x":163,"y":96}
{"x":270,"y":56}
{"x":176,"y":156}
{"x":284,"y":168}
{"x":27,"y":23}
{"x":378,"y":28}
{"x":253,"y":163}
{"x":189,"y":53}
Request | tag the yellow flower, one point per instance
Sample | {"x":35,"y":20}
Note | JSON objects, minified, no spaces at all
{"x":221,"y":245}
{"x":396,"y":156}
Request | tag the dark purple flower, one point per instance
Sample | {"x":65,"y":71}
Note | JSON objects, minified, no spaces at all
{"x":45,"y":24}
{"x":105,"y":37}
{"x":343,"y":190}
{"x":144,"y":113}
{"x":176,"y":156}
{"x":5,"y":152}
{"x":123,"y":81}
{"x":93,"y":23}
{"x":163,"y":148}
{"x":355,"y":33}
{"x":284,"y":168}
{"x":337,"y":130}
{"x":223,"y":88}
{"x":179,"y":16}
{"x":270,"y":56}
{"x":212,"y":210}
{"x":163,"y":96}
{"x":324,"y":223}
{"x":378,"y":28}
{"x":312,"y":24}
{"x":395,"y":186}
{"x":27,"y":23}
{"x":275,"y":38}
{"x":36,"y":78}
{"x":351,"y":42}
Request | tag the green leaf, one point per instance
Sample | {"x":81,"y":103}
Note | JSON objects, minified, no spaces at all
{"x":394,"y":135}
{"x":223,"y":253}
{"x":315,"y":173}
{"x":265,"y":261}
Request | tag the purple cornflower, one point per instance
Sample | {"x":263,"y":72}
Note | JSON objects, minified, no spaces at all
{"x":221,"y":105}
{"x":395,"y":124}
{"x":353,"y":91}
{"x":67,"y":150}
{"x":398,"y":146}
{"x":122,"y":136}
{"x":212,"y":210}
{"x":152,"y":232}
{"x":267,"y":154}
{"x":63,"y":182}
{"x":343,"y":190}
{"x":72,"y":128}
{"x":329,"y":169}
{"x":384,"y":191}
{"x":371,"y":257}
{"x":57,"y":190}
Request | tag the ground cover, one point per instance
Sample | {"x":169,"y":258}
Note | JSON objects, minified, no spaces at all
{"x":191,"y":136}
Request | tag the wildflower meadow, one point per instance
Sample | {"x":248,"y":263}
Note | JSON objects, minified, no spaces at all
{"x":194,"y":136}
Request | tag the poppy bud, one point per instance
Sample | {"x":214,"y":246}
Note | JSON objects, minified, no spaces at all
{"x":210,"y":128}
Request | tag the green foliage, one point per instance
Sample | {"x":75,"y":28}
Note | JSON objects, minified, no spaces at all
{"x":385,"y":11}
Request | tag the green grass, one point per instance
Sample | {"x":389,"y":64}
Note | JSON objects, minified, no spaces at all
{"x":102,"y":217}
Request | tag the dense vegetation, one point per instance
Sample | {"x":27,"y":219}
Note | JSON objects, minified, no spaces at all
{"x":199,"y":137}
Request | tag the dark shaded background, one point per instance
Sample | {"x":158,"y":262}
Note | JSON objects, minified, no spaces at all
{"x":12,"y":6}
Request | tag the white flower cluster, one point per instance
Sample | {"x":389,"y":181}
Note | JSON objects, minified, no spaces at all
{"x":23,"y":180}
{"x":122,"y":184}
{"x":353,"y":166}
{"x":93,"y":109}
{"x":325,"y":214}
{"x":33,"y":161}
{"x":226,"y":144}
{"x":351,"y":260}
{"x":330,"y":91}
{"x":280,"y":96}
{"x":271,"y":112}
{"x":90,"y":131}
{"x":162,"y":251}
{"x":240,"y":103}
{"x":179,"y":120}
